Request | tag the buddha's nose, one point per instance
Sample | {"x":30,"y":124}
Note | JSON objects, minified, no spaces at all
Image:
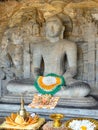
{"x":52,"y":28}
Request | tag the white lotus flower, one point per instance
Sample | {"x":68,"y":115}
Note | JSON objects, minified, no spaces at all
{"x":81,"y":125}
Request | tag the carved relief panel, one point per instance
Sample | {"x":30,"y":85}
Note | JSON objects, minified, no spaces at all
{"x":25,"y":28}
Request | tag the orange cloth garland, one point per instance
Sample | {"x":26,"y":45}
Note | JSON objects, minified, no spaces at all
{"x":49,"y":84}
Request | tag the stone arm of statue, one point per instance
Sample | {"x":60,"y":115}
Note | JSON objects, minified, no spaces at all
{"x":71,"y":71}
{"x":36,"y":63}
{"x":2,"y":74}
{"x":9,"y":72}
{"x":6,"y":72}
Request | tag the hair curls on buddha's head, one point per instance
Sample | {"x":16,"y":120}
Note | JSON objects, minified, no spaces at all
{"x":54,"y":18}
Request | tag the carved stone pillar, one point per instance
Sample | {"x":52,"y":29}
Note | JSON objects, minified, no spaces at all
{"x":0,"y":88}
{"x":26,"y":61}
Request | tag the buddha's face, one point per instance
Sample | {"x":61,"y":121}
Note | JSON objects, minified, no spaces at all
{"x":53,"y":27}
{"x":35,"y":29}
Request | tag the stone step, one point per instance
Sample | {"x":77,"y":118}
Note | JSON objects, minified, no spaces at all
{"x":76,"y":102}
{"x":69,"y":112}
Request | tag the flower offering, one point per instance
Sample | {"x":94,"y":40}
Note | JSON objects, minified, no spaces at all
{"x":49,"y":84}
{"x":44,"y":101}
{"x":82,"y":125}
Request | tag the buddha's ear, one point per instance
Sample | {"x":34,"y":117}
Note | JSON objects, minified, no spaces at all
{"x":62,"y":32}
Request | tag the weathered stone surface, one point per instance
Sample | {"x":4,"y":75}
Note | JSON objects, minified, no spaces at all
{"x":21,"y":31}
{"x":20,"y":86}
{"x":26,"y":61}
{"x":54,"y":61}
{"x":17,"y":23}
{"x":69,"y":112}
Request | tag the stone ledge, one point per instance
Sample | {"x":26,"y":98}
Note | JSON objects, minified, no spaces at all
{"x":69,"y":112}
{"x":76,"y":102}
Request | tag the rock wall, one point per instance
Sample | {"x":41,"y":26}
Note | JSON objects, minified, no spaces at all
{"x":22,"y":26}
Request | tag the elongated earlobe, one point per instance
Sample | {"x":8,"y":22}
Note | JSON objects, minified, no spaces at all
{"x":62,"y":32}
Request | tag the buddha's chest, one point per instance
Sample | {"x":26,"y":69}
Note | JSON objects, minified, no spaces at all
{"x":52,"y":51}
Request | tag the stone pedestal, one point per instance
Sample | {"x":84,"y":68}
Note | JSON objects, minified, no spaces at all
{"x":69,"y":112}
{"x":49,"y":126}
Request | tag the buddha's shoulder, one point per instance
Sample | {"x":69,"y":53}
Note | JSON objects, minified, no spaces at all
{"x":68,"y":43}
{"x":62,"y":42}
{"x":39,"y":44}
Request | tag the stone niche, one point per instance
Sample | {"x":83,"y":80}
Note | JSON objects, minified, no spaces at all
{"x":23,"y":27}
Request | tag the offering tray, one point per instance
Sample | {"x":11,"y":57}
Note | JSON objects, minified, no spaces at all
{"x":16,"y":122}
{"x":44,"y":101}
{"x":95,"y":122}
{"x":35,"y":126}
{"x":22,"y":120}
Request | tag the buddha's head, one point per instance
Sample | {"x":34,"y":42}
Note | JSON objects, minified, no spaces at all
{"x":36,"y":29}
{"x":54,"y":27}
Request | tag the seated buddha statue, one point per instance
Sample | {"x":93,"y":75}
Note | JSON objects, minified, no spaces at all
{"x":53,"y":52}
